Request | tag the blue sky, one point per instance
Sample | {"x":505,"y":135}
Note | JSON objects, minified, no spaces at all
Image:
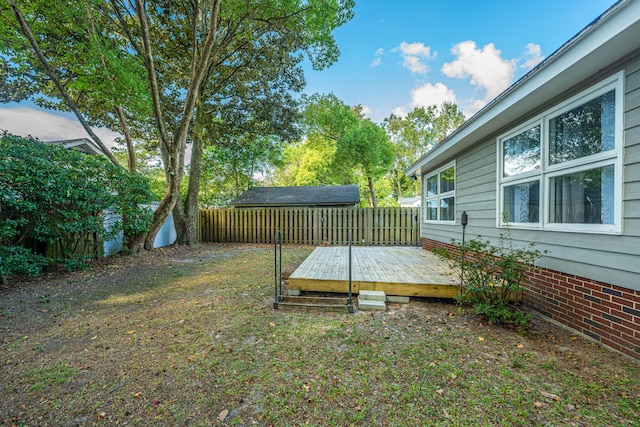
{"x":399,"y":55}
{"x":402,"y":54}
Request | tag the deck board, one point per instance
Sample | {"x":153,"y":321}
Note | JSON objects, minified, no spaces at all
{"x":403,"y":271}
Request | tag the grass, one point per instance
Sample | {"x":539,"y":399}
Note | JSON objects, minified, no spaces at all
{"x":49,"y":377}
{"x":189,"y":337}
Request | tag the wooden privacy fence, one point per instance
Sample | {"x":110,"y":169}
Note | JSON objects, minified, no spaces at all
{"x":312,"y":226}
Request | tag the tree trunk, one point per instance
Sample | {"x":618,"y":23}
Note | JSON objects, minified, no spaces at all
{"x":372,"y":195}
{"x":169,"y":200}
{"x":131,"y":154}
{"x":191,"y":209}
{"x":174,"y":163}
{"x":398,"y":181}
{"x":179,"y":221}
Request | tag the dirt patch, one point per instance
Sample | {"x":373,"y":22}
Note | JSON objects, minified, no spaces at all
{"x":188,"y":336}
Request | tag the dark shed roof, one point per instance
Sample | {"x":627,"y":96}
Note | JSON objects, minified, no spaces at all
{"x":340,"y":195}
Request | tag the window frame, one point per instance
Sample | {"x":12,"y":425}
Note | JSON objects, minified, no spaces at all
{"x":548,"y":171}
{"x":439,"y":196}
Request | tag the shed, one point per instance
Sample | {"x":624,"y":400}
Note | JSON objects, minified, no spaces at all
{"x":338,"y":196}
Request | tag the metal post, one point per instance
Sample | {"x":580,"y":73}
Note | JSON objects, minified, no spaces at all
{"x":464,"y":220}
{"x":280,"y":270}
{"x":350,"y":300}
{"x":277,"y":276}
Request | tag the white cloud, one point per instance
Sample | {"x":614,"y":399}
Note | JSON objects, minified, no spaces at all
{"x":25,"y":121}
{"x":415,"y":49}
{"x":532,"y":56}
{"x":414,"y":55}
{"x":376,"y":62}
{"x":366,"y":110}
{"x":425,"y":96}
{"x":430,"y":94}
{"x":486,"y":68}
{"x":400,"y":111}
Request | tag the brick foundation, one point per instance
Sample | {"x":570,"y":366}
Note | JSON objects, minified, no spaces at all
{"x":606,"y":313}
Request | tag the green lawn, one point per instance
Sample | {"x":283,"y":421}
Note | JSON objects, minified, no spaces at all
{"x":189,"y":337}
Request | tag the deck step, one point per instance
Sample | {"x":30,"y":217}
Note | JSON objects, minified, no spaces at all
{"x":315,"y":303}
{"x":314,"y":307}
{"x":315,"y":300}
{"x":371,"y":305}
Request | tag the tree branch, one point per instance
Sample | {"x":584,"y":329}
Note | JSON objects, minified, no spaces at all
{"x":26,"y":30}
{"x":151,"y":74}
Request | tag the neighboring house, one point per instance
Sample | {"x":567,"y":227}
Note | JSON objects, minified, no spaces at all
{"x":167,"y":234}
{"x":409,"y":202}
{"x":81,"y":144}
{"x":339,"y":196}
{"x":558,"y":154}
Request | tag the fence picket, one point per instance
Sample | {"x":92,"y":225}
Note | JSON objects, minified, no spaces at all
{"x":311,"y":226}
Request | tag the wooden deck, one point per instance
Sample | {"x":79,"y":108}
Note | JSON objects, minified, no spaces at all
{"x":401,"y":271}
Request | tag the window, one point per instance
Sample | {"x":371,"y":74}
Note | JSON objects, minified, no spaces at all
{"x":439,"y":193}
{"x":562,"y":170}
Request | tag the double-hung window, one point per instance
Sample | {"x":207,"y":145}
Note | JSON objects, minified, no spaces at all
{"x":439,"y":195}
{"x":562,"y":170}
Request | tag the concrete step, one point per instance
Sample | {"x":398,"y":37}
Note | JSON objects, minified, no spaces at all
{"x":371,"y":295}
{"x":371,"y":305}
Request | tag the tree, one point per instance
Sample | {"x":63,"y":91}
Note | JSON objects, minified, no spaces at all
{"x":415,"y":134}
{"x":366,"y":148}
{"x":232,"y":168}
{"x":324,"y":120}
{"x":179,"y":47}
{"x":59,"y":56}
{"x":241,"y":113}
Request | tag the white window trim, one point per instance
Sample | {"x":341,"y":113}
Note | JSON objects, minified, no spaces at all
{"x":548,"y":171}
{"x":440,"y":196}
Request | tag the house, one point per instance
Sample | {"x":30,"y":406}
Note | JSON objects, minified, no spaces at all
{"x":409,"y":202}
{"x":556,"y":158}
{"x":84,"y":145}
{"x":339,"y":196}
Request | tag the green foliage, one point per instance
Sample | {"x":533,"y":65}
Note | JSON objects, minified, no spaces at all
{"x":56,"y":196}
{"x":493,"y":277}
{"x":415,"y":134}
{"x":324,"y":120}
{"x":341,"y":147}
{"x":366,"y":147}
{"x":18,"y":260}
{"x":234,"y":167}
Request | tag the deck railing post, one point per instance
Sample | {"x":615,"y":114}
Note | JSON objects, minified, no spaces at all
{"x":277,"y":272}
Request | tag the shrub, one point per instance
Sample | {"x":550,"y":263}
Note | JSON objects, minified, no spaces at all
{"x":493,"y":277}
{"x":54,"y":196}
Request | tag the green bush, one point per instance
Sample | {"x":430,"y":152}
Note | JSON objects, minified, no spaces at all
{"x":493,"y":277}
{"x":54,"y":196}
